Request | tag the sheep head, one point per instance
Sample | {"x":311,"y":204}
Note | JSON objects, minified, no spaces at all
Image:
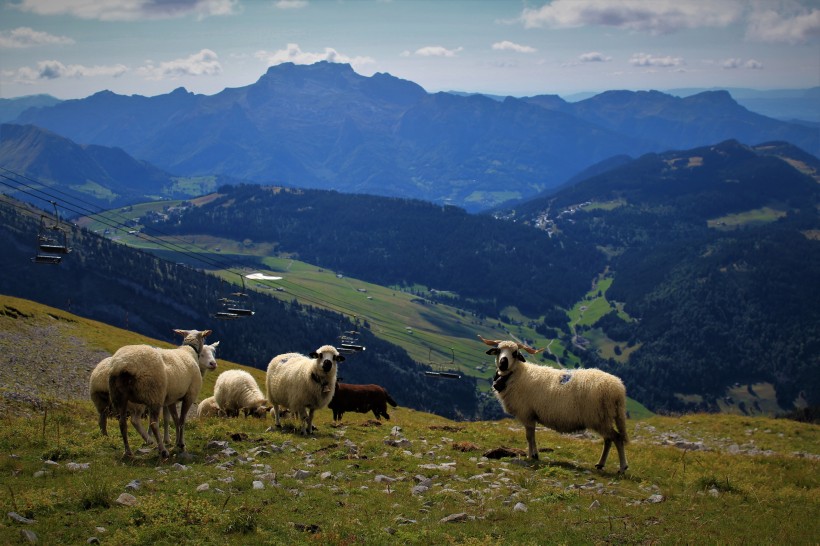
{"x":507,"y":352}
{"x":194,"y":338}
{"x":326,"y":358}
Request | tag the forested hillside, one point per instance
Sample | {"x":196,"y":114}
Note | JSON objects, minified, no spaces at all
{"x":715,"y":253}
{"x":712,"y":254}
{"x":128,"y":288}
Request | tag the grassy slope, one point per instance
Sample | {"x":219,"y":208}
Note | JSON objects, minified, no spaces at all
{"x":756,"y":481}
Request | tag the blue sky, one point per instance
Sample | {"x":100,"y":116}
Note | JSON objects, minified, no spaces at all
{"x":74,"y":48}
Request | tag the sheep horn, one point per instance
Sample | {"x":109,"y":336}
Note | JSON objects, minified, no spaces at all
{"x":489,"y":342}
{"x":529,"y":349}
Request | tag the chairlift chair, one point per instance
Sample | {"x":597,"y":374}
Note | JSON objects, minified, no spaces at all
{"x":349,"y":341}
{"x":52,"y":241}
{"x":234,"y":305}
{"x":440,"y":370}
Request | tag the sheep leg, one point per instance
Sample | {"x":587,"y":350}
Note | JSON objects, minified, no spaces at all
{"x":166,"y":418}
{"x":619,"y":444}
{"x":136,"y":421}
{"x":186,"y":406}
{"x":276,"y":414}
{"x":103,"y":421}
{"x":605,"y":453}
{"x":153,"y":420}
{"x":124,"y":431}
{"x":309,"y":422}
{"x":531,"y":447}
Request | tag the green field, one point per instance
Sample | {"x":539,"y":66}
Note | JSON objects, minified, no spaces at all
{"x":763,"y":215}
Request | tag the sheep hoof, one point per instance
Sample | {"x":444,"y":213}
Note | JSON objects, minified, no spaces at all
{"x":599,"y":466}
{"x":534,"y":456}
{"x":623,"y":470}
{"x":128,"y":455}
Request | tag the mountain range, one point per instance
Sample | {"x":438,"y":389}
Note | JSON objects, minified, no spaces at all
{"x":325,"y":126}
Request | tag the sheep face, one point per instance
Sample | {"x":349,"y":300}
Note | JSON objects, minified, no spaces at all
{"x":326,"y":358}
{"x":207,"y":357}
{"x":507,"y":356}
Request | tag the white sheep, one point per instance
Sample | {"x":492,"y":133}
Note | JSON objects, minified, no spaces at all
{"x":98,"y":391}
{"x":302,"y":383}
{"x":565,"y":401}
{"x":209,"y":408}
{"x":237,"y":391}
{"x":158,"y":378}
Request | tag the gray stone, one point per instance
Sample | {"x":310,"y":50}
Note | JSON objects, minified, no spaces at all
{"x":455,"y":518}
{"x":126,"y":500}
{"x":20,"y":519}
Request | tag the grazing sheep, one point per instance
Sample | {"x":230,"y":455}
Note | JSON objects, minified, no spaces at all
{"x":361,"y":399}
{"x":98,"y":391}
{"x":565,"y":401}
{"x":209,"y":408}
{"x":159,"y":378}
{"x":302,"y":383}
{"x":237,"y":391}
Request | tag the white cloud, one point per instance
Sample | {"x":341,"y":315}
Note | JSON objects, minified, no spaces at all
{"x":654,"y":16}
{"x":52,"y":70}
{"x":798,"y":26}
{"x":438,"y":51}
{"x":27,"y":37}
{"x":203,"y":63}
{"x":734,"y":63}
{"x":645,"y":59}
{"x":291,"y":4}
{"x":294,"y":54}
{"x":506,"y":45}
{"x":594,"y":57}
{"x":128,"y":10}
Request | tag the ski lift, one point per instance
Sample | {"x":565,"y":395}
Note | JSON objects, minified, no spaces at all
{"x":52,"y":240}
{"x":349,"y":340}
{"x":234,"y":305}
{"x":442,"y":370}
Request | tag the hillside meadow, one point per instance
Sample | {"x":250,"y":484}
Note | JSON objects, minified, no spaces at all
{"x":417,"y":479}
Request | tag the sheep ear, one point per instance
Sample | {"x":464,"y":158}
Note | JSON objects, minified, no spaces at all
{"x":314,"y":354}
{"x":519,"y":356}
{"x":182,"y":333}
{"x":215,"y":344}
{"x":206,"y":333}
{"x":494,"y":351}
{"x":339,"y":358}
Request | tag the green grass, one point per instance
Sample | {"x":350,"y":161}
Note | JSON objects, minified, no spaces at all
{"x":705,"y":496}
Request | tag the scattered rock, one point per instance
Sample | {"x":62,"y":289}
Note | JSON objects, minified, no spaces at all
{"x":93,"y":540}
{"x":595,"y":504}
{"x":307,"y":527}
{"x":258,"y":485}
{"x":455,"y":518}
{"x":133,"y":485}
{"x":521,"y":507}
{"x":465,"y":446}
{"x":29,"y":536}
{"x":126,"y":500}
{"x":655,"y":499}
{"x":20,"y":519}
{"x":500,"y":452}
{"x":301,"y":474}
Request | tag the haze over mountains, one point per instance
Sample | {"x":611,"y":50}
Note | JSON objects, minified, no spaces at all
{"x":325,"y":126}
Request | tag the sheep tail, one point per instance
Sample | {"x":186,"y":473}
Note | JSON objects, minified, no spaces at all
{"x":120,"y":387}
{"x":620,"y":420}
{"x":390,"y":400}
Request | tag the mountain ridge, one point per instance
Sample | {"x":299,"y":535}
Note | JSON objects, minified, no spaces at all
{"x":325,"y":126}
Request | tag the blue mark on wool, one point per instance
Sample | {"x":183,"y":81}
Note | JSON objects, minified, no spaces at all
{"x":565,"y":378}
